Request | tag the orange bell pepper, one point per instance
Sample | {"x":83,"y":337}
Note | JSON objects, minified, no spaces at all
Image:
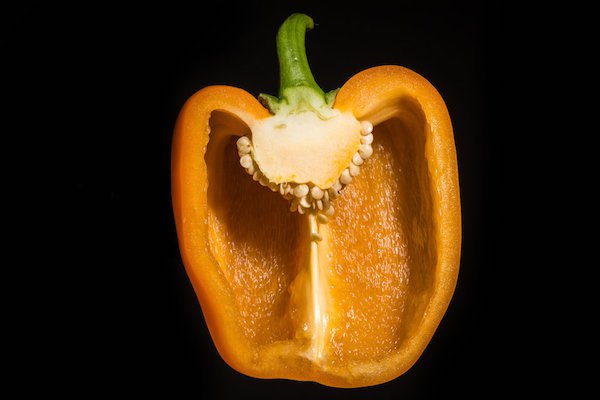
{"x":347,"y":298}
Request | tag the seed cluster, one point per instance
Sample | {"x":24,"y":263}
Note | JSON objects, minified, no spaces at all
{"x":307,"y":196}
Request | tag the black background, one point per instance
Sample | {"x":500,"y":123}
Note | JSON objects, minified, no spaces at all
{"x":95,"y":91}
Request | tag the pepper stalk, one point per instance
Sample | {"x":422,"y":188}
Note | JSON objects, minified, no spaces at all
{"x":298,"y":90}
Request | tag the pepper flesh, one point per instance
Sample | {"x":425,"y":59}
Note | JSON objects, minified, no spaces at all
{"x":388,"y":259}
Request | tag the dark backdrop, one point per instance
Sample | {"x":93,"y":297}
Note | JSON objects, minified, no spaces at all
{"x":95,"y":91}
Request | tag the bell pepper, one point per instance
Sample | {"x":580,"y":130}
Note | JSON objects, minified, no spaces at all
{"x":321,"y":231}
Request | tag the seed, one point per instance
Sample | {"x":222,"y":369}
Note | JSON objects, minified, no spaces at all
{"x":316,"y":236}
{"x":329,"y":211}
{"x":322,"y":218}
{"x":273,"y":186}
{"x":333,"y":194}
{"x":365,"y":151}
{"x":354,"y":170}
{"x":294,"y":205}
{"x":301,"y":190}
{"x":251,"y":170}
{"x":326,"y":194}
{"x":304,"y":202}
{"x":264,"y":181}
{"x":257,"y":175}
{"x":300,"y":210}
{"x":367,"y":139}
{"x":337,"y":186}
{"x":243,"y":142}
{"x":243,"y":148}
{"x":357,"y":159}
{"x":246,"y":161}
{"x":345,"y":177}
{"x":316,"y":193}
{"x":288,"y":196}
{"x":326,"y":203}
{"x":366,"y":127}
{"x":319,"y":204}
{"x":244,"y":151}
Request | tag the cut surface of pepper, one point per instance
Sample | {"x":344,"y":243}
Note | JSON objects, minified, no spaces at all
{"x":321,"y":231}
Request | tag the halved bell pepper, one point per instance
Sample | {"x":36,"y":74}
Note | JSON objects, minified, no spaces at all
{"x":321,"y":231}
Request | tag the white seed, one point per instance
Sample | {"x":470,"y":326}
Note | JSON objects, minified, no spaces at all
{"x":322,"y":218}
{"x":345,"y":177}
{"x":301,"y":190}
{"x":337,"y":186}
{"x":251,"y":170}
{"x":273,"y":186}
{"x":282,"y":188}
{"x":316,"y":236}
{"x":365,"y":151}
{"x":316,"y":193}
{"x":357,"y":159}
{"x":366,"y":127}
{"x":329,"y":211}
{"x":264,"y":181}
{"x":294,"y":205}
{"x":300,"y":210}
{"x":326,"y":194}
{"x":243,"y":149}
{"x":243,"y":142}
{"x":367,"y":139}
{"x":246,"y":161}
{"x":257,"y":175}
{"x":319,"y":204}
{"x":304,"y":202}
{"x":354,"y":170}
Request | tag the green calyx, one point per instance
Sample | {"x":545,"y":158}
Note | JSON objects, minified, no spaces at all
{"x":298,"y":91}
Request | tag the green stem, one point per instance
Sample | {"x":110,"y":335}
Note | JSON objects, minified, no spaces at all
{"x":291,"y":51}
{"x":298,"y":90}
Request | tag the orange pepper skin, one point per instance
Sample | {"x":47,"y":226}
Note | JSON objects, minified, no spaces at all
{"x":189,"y":181}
